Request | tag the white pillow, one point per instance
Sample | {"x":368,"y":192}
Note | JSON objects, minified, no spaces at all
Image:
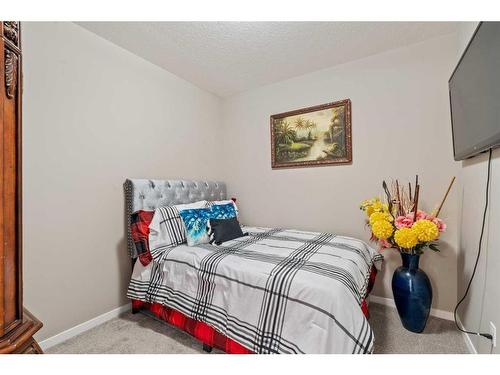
{"x":167,"y":228}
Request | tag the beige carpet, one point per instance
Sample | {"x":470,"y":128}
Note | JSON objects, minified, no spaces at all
{"x":142,"y":334}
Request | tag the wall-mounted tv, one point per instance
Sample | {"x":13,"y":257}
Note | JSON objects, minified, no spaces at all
{"x":475,"y":94}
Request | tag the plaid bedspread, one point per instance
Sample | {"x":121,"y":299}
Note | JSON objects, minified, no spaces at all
{"x":199,"y":330}
{"x":274,"y":291}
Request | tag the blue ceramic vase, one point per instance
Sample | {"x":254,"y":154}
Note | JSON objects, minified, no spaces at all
{"x":412,"y":293}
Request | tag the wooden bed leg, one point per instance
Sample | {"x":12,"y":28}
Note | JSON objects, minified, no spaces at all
{"x":207,"y":348}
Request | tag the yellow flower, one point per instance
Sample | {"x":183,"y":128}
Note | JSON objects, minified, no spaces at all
{"x":382,"y":229}
{"x":366,"y":203}
{"x":377,"y":216}
{"x":366,"y":206}
{"x":373,"y":205}
{"x":406,"y":238}
{"x":378,"y":206}
{"x":425,"y":230}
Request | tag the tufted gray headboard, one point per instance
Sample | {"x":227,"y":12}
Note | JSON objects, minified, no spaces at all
{"x":141,"y":194}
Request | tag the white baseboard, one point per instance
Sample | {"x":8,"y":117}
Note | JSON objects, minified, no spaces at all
{"x":89,"y":324}
{"x":448,"y":315}
{"x":467,"y":339}
{"x":85,"y":326}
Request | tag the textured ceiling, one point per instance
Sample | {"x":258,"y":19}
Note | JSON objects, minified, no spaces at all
{"x":229,"y":57}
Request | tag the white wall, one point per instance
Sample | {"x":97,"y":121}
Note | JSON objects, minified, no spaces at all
{"x":400,"y":127}
{"x":85,"y":99}
{"x":95,"y":114}
{"x":483,"y":302}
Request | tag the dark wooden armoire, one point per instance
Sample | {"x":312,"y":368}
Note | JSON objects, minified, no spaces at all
{"x":17,"y":326}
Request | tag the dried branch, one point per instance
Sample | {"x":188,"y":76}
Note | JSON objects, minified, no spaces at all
{"x":445,"y":196}
{"x":415,"y":203}
{"x":398,"y":197}
{"x":388,"y":194}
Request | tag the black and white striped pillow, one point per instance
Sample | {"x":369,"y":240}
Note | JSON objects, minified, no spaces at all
{"x":172,"y":224}
{"x":167,"y":228}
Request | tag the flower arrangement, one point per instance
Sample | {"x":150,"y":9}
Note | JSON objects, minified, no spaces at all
{"x":398,"y":223}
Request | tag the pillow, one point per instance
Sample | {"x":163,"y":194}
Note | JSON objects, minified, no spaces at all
{"x":196,"y":220}
{"x":167,"y":228}
{"x":139,"y":230}
{"x":223,"y":211}
{"x":222,"y":230}
{"x":224,"y":202}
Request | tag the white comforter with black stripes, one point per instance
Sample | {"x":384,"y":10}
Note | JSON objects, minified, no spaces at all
{"x":273,"y":291}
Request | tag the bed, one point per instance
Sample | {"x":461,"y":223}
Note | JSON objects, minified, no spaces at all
{"x":274,"y":290}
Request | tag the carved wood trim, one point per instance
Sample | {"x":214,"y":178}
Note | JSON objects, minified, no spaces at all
{"x":11,"y":31}
{"x":21,"y":339}
{"x":17,"y":326}
{"x":11,"y":62}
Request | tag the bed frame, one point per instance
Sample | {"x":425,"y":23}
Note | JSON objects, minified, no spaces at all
{"x":144,"y":194}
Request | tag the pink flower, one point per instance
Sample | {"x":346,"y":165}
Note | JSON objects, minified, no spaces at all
{"x":440,"y":223}
{"x":404,"y":221}
{"x":421,"y":215}
{"x":384,"y":244}
{"x":407,"y":221}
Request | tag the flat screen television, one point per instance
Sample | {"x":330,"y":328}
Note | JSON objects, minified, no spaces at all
{"x":474,"y":89}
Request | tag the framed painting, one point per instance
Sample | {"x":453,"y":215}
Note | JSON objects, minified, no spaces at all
{"x":314,"y":136}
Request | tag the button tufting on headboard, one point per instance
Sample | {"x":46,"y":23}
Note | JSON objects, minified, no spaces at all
{"x":142,"y":194}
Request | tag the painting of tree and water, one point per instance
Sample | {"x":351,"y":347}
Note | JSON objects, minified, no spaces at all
{"x":312,"y":136}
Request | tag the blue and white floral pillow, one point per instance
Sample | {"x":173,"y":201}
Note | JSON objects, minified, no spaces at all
{"x":196,"y":220}
{"x":223,"y":211}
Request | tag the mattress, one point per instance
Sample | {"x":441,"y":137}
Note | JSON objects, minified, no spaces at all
{"x":272,"y":291}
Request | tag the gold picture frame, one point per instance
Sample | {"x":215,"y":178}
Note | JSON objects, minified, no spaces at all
{"x":313,"y":136}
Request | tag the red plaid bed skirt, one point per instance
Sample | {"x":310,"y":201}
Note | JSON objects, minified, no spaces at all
{"x":205,"y":333}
